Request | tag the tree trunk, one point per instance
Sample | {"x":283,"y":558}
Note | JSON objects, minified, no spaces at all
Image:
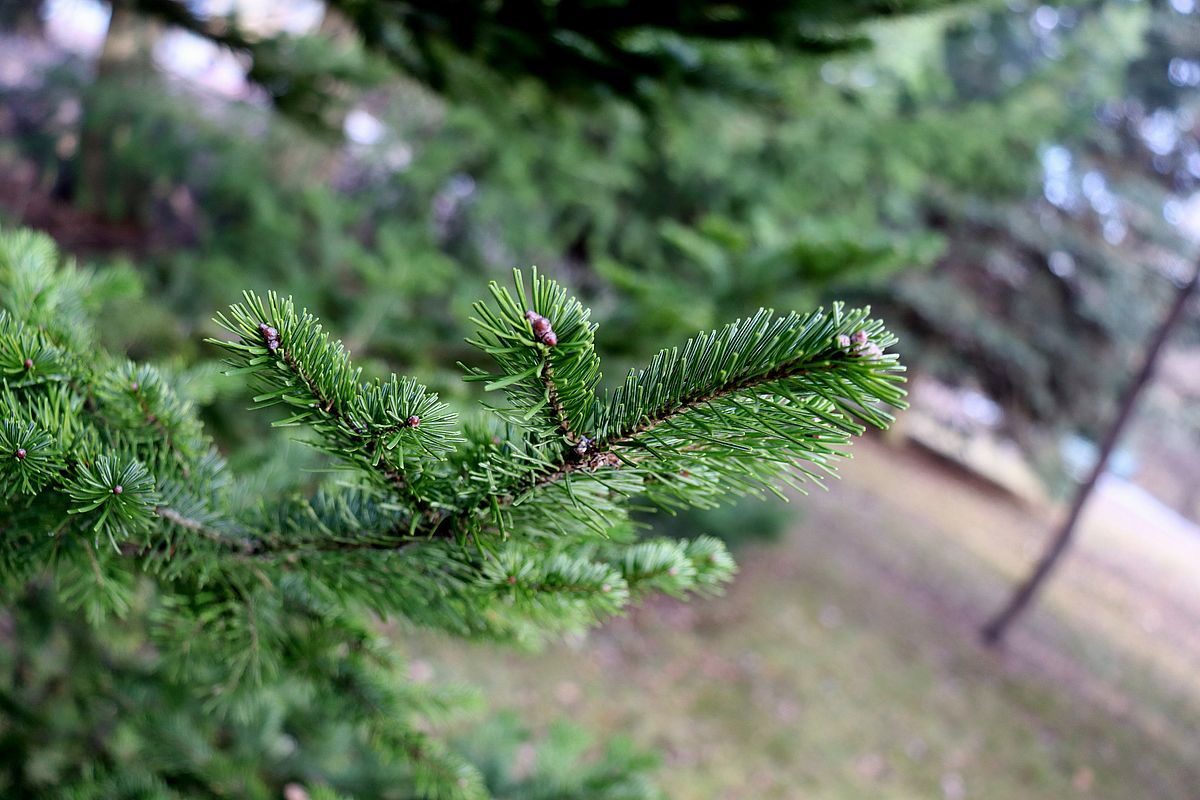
{"x":993,"y":632}
{"x":125,"y":55}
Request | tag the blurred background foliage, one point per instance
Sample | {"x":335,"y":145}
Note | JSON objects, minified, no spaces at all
{"x":984,"y":174}
{"x":1007,"y":183}
{"x":954,"y":173}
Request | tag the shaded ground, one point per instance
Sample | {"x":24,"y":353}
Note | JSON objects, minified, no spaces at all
{"x":844,"y":664}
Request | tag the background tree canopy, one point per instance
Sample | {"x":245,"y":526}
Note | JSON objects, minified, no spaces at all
{"x":1008,"y":185}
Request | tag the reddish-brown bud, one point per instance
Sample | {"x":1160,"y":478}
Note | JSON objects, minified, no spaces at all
{"x":118,"y":489}
{"x":512,"y":580}
{"x":28,"y":363}
{"x":271,"y":335}
{"x":20,"y":454}
{"x":543,"y":331}
{"x":414,"y":421}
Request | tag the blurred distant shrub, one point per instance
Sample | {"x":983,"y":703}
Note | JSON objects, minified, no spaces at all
{"x":739,"y":523}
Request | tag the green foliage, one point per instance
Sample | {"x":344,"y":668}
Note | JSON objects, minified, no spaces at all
{"x":513,"y":527}
{"x":394,"y":426}
{"x":500,"y":172}
{"x":119,"y":495}
{"x":746,"y":521}
{"x":554,"y":379}
{"x":28,"y":457}
{"x":672,"y":214}
{"x":1021,"y":303}
{"x":841,"y":174}
{"x":576,"y":49}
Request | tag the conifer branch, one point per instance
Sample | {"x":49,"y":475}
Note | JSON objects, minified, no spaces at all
{"x":512,"y":527}
{"x":544,"y":346}
{"x":396,"y":428}
{"x":239,"y":545}
{"x":730,"y":409}
{"x":733,"y":408}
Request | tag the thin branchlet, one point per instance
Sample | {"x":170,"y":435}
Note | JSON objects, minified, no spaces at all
{"x":330,"y":407}
{"x":241,"y":545}
{"x":554,"y":400}
{"x":597,"y":452}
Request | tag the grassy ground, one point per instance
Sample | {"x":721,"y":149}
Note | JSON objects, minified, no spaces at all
{"x":844,"y":662}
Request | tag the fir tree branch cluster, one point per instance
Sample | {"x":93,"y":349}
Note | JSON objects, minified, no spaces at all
{"x":508,"y":523}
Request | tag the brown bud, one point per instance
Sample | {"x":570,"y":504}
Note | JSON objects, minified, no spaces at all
{"x":271,"y":335}
{"x":512,"y":580}
{"x":28,"y":363}
{"x":414,"y":421}
{"x":543,"y":331}
{"x":20,"y":454}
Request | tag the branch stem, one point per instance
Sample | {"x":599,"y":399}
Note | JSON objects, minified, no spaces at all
{"x":557,"y":411}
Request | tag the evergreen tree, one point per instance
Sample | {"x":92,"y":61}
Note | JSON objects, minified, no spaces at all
{"x":216,"y":640}
{"x":575,"y":48}
{"x":1029,"y":287}
{"x":931,"y":151}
